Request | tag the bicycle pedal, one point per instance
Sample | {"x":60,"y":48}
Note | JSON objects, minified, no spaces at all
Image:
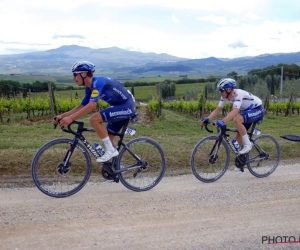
{"x":237,"y":169}
{"x":116,"y":180}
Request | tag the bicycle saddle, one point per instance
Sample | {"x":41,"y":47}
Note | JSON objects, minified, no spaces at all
{"x":291,"y":137}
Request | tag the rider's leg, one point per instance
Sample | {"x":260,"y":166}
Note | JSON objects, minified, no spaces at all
{"x":115,"y":127}
{"x":115,"y":116}
{"x":239,"y":139}
{"x":97,"y":123}
{"x":242,"y":136}
{"x":112,"y":137}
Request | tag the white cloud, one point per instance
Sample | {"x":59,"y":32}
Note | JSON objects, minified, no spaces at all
{"x":234,"y":21}
{"x":212,"y":5}
{"x":214,"y":19}
{"x":193,"y":29}
{"x":252,"y":16}
{"x":175,"y":19}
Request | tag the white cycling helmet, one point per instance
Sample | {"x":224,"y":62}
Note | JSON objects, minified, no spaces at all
{"x":83,"y":66}
{"x":226,"y":83}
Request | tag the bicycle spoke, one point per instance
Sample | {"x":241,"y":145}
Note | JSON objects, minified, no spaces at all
{"x":149,"y":169}
{"x":209,"y":161}
{"x":264,"y":157}
{"x":52,"y":177}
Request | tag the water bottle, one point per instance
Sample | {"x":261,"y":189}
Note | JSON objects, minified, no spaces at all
{"x":130,"y":131}
{"x":236,"y":145}
{"x":256,"y":131}
{"x":99,"y":149}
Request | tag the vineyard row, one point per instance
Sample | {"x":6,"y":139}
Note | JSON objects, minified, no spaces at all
{"x":41,"y":106}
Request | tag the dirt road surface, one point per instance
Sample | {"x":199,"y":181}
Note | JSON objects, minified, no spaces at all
{"x":239,"y":211}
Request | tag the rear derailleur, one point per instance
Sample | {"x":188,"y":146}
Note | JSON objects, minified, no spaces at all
{"x":108,"y":173}
{"x":240,"y":161}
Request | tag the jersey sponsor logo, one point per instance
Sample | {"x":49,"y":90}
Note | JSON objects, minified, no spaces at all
{"x":123,"y":112}
{"x":95,"y":93}
{"x":254,"y":114}
{"x":120,"y":92}
{"x":94,"y":84}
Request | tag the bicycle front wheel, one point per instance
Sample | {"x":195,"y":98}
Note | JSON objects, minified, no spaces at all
{"x":145,"y":161}
{"x":52,"y":176}
{"x":209,"y":160}
{"x":264,"y":156}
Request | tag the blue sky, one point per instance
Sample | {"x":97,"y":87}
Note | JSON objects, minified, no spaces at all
{"x":189,"y":29}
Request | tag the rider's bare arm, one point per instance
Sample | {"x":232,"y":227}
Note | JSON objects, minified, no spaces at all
{"x":72,"y":111}
{"x":84,"y":110}
{"x":215,"y":113}
{"x":233,"y":113}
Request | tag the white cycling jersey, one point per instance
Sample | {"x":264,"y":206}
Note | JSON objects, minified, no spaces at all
{"x":242,"y":100}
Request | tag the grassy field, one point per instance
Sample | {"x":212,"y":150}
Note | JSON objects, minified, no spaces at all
{"x":160,"y":79}
{"x":143,"y":93}
{"x":67,"y":80}
{"x":176,"y":133}
{"x":28,"y":78}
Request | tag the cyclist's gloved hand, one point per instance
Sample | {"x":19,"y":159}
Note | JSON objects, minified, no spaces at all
{"x":220,"y":123}
{"x":204,"y":120}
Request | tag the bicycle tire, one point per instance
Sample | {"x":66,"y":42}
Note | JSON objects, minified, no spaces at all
{"x":202,"y":168}
{"x":264,"y":167}
{"x":47,"y":174}
{"x":147,"y":176}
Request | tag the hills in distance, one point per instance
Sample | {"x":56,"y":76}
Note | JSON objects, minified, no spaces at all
{"x":124,"y":64}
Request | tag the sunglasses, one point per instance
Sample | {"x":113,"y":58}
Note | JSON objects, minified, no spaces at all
{"x":222,"y":89}
{"x":76,"y":73}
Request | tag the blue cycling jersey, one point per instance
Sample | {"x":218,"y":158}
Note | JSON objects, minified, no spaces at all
{"x":109,"y":90}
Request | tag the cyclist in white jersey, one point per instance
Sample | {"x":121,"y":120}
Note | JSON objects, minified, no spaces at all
{"x":250,"y":106}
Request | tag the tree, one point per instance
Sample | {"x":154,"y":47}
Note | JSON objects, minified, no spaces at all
{"x":70,"y":88}
{"x":261,"y":89}
{"x":9,"y":87}
{"x":233,"y":75}
{"x":290,"y":71}
{"x":132,"y":90}
{"x":291,"y":87}
{"x":166,"y":88}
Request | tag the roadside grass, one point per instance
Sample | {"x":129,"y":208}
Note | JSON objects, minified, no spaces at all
{"x":176,"y":133}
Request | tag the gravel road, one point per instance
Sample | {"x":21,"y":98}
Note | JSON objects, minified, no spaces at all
{"x":238,"y":211}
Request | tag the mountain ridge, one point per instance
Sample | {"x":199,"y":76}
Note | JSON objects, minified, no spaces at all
{"x":117,"y":62}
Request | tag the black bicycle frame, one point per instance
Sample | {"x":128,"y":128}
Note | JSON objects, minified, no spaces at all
{"x":226,"y":137}
{"x":95,"y":153}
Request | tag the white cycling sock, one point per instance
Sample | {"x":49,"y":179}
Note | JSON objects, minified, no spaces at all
{"x":108,"y":144}
{"x":246,"y":140}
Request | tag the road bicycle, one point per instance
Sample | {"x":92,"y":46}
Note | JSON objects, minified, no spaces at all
{"x":210,"y":157}
{"x":63,"y":166}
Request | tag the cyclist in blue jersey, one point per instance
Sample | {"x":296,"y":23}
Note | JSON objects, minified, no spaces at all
{"x":121,"y":101}
{"x":250,"y":106}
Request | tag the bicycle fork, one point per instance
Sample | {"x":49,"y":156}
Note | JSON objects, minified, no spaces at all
{"x":63,"y":168}
{"x":213,"y":155}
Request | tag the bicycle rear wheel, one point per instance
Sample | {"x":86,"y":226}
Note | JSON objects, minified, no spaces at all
{"x":51,"y":176}
{"x":264,"y":156}
{"x":146,"y":163}
{"x":205,"y":166}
